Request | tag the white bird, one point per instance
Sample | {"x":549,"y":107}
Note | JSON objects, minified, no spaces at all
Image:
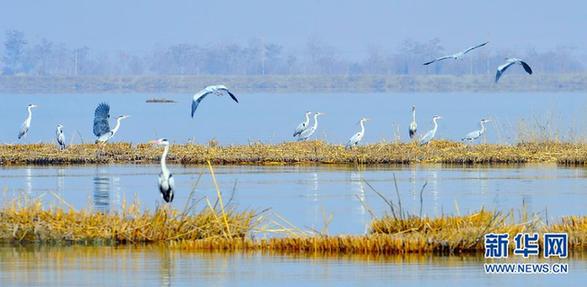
{"x":101,"y":126}
{"x":431,"y":133}
{"x":458,"y":55}
{"x":166,"y":181}
{"x":413,"y":125}
{"x":356,"y":138}
{"x":60,"y":137}
{"x":27,"y":122}
{"x":305,"y":134}
{"x":303,"y":125}
{"x":476,"y":134}
{"x":501,"y":69}
{"x":218,"y":90}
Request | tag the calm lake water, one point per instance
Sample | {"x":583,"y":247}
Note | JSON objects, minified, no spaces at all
{"x":306,"y":195}
{"x":153,"y":266}
{"x":272,"y":118}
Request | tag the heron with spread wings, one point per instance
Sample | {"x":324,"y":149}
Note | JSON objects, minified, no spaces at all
{"x":101,"y":125}
{"x":218,"y":90}
{"x":456,"y":56}
{"x":509,"y":62}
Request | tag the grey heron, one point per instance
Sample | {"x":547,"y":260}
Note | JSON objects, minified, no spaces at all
{"x":476,"y":134}
{"x":356,"y":138}
{"x":166,"y":181}
{"x":101,"y":126}
{"x":509,"y":62}
{"x":218,"y":90}
{"x":303,"y":125}
{"x":305,"y":134}
{"x":60,"y":137}
{"x":413,"y":125}
{"x":458,"y":55}
{"x":27,"y":122}
{"x":431,"y":133}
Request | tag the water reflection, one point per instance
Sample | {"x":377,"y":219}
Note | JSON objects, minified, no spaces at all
{"x":101,"y":191}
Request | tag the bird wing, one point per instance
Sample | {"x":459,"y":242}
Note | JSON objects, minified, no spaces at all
{"x":171,"y":181}
{"x":427,"y":137}
{"x":438,"y":59}
{"x":526,"y":67}
{"x":307,"y":133}
{"x":231,"y":95}
{"x":61,"y":139}
{"x":23,"y":130}
{"x":101,"y":116}
{"x":472,"y":135}
{"x":301,"y":127}
{"x":354,"y":139}
{"x":501,"y":69}
{"x":474,"y":47}
{"x":198,"y":98}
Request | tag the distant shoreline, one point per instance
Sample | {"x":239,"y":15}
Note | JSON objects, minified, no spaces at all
{"x":289,"y":83}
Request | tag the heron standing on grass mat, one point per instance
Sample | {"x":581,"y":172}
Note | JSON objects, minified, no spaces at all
{"x":102,"y":127}
{"x":60,"y":137}
{"x":431,"y":133}
{"x":413,"y":125}
{"x":27,"y":122}
{"x":356,"y":138}
{"x":307,"y":133}
{"x":476,"y":134}
{"x":303,"y":125}
{"x":166,"y":181}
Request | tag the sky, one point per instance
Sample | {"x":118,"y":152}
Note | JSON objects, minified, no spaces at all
{"x":350,"y":26}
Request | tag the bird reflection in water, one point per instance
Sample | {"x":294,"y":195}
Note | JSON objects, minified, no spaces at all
{"x":102,"y":191}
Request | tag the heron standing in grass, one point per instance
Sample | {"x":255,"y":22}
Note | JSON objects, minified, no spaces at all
{"x":101,"y":126}
{"x":413,"y":125}
{"x":218,"y":90}
{"x":27,"y":122}
{"x":303,"y":125}
{"x":431,"y":133}
{"x":305,"y":134}
{"x":166,"y":181}
{"x":60,"y":137}
{"x":476,"y":134}
{"x":356,"y":138}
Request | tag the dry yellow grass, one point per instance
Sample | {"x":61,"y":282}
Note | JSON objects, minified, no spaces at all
{"x":32,"y":223}
{"x":299,"y":153}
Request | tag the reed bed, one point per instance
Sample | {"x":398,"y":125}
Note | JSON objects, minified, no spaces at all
{"x":313,"y":152}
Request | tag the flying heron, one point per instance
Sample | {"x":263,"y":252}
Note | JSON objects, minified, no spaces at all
{"x":458,"y":55}
{"x":356,"y":138}
{"x":166,"y":181}
{"x":218,"y":90}
{"x":476,"y":134}
{"x":413,"y":125}
{"x":303,"y":125}
{"x":60,"y":137}
{"x":101,"y":126}
{"x":305,"y":134}
{"x":27,"y":122}
{"x":431,"y":133}
{"x":509,"y":62}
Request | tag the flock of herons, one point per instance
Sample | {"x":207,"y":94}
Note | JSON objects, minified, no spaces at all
{"x":303,"y":132}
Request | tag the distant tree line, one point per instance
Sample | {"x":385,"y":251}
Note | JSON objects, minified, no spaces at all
{"x":257,"y":57}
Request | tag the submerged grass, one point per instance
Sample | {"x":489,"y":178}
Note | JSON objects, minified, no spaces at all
{"x":301,"y":152}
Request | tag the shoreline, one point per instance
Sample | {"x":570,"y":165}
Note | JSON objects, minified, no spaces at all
{"x":294,"y":83}
{"x":294,"y":153}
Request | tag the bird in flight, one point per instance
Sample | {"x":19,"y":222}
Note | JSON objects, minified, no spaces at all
{"x":456,"y":56}
{"x":509,"y":62}
{"x":218,"y":90}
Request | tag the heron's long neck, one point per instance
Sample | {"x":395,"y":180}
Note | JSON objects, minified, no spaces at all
{"x":29,"y":109}
{"x":315,"y":122}
{"x":435,"y":125}
{"x":307,"y":119}
{"x":163,"y":160}
{"x":117,"y":126}
{"x":362,"y":127}
{"x":482,"y":127}
{"x":414,"y":115}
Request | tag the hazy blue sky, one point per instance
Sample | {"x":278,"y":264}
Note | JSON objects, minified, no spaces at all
{"x":351,"y":26}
